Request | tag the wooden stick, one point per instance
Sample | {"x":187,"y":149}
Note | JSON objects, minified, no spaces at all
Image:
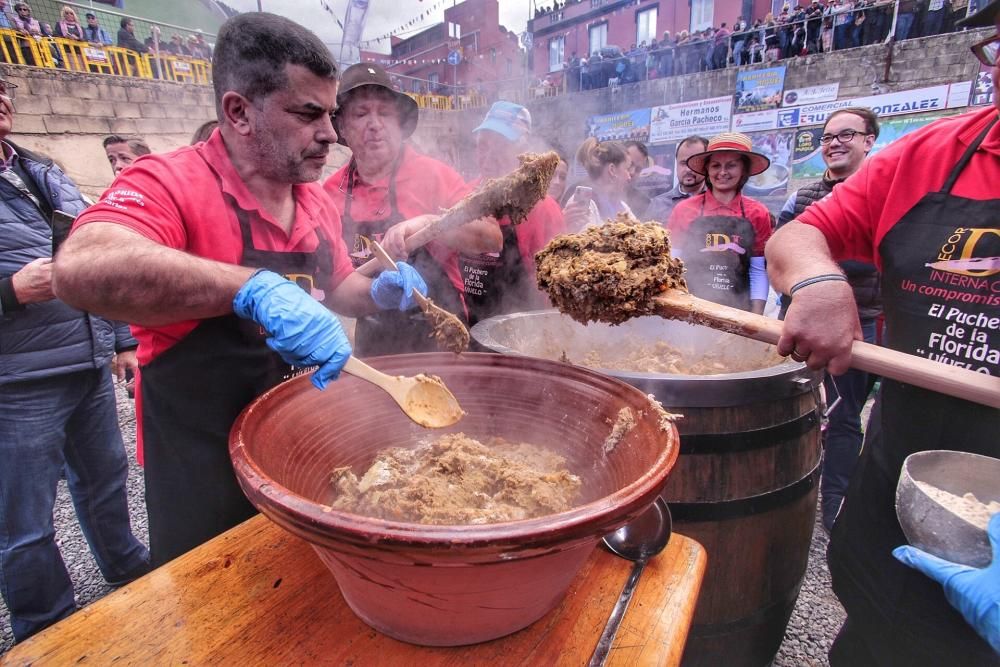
{"x":943,"y":378}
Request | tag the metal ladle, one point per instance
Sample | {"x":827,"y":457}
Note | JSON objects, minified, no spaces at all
{"x":639,"y":540}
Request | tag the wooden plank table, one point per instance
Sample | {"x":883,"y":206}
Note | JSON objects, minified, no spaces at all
{"x":258,"y":595}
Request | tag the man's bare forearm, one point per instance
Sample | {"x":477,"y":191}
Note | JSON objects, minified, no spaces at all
{"x":112,"y":271}
{"x":352,"y":297}
{"x":795,"y":252}
{"x":476,"y":237}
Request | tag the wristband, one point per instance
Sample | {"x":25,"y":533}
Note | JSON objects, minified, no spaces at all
{"x":816,"y":279}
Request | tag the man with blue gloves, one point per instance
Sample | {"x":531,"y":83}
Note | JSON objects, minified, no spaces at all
{"x":922,"y":223}
{"x":219,"y":255}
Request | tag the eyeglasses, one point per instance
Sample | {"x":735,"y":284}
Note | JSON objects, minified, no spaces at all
{"x":986,"y":50}
{"x":7,"y":89}
{"x":844,"y":137}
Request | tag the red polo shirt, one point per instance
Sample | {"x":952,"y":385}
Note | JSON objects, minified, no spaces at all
{"x":176,"y":199}
{"x":685,"y":212}
{"x":861,"y":210}
{"x":423,"y":185}
{"x":542,"y":223}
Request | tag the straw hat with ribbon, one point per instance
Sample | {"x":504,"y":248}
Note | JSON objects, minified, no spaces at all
{"x":734,"y":142}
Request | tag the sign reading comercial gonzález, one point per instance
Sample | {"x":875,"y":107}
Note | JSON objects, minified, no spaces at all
{"x":676,"y":121}
{"x":920,"y":100}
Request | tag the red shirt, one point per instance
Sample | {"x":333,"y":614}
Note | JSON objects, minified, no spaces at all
{"x":861,"y":210}
{"x":685,"y":212}
{"x":423,"y":185}
{"x":176,"y":199}
{"x":542,"y":223}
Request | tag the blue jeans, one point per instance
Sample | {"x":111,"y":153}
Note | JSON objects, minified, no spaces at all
{"x":843,"y":437}
{"x":903,"y":24}
{"x":66,"y":422}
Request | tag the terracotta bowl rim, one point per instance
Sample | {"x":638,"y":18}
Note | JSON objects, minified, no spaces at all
{"x":595,"y":518}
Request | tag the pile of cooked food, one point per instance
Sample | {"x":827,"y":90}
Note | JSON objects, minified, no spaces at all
{"x":609,"y":273}
{"x":454,"y":479}
{"x":662,"y":357}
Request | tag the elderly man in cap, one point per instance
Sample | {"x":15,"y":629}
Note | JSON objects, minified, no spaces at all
{"x":94,"y":33}
{"x":219,"y":255}
{"x":504,"y":282}
{"x":931,"y":226}
{"x":383,"y":194}
{"x":720,"y":233}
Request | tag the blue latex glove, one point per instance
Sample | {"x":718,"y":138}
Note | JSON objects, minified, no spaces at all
{"x":393,"y":289}
{"x":973,"y":592}
{"x":300,"y":329}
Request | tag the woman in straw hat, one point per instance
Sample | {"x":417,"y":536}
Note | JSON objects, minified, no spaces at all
{"x":720,"y":234}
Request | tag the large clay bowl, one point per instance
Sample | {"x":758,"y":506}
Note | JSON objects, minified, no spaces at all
{"x":452,"y":585}
{"x":928,"y":524}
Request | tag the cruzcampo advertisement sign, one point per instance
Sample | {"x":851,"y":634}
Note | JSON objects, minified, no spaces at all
{"x":705,"y":117}
{"x":759,"y":89}
{"x":625,"y":126}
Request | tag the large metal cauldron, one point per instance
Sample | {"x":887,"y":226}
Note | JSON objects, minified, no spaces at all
{"x":746,"y":483}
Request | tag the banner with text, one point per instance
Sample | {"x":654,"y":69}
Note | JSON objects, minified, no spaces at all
{"x":797,"y":97}
{"x":629,"y":125}
{"x":755,"y":121}
{"x":676,"y":121}
{"x":759,"y":89}
{"x":934,"y":98}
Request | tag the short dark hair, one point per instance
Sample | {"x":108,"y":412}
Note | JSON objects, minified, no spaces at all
{"x":253,"y":49}
{"x":690,"y":140}
{"x":864,"y":113}
{"x":124,"y":22}
{"x":639,"y":146}
{"x":137,"y":145}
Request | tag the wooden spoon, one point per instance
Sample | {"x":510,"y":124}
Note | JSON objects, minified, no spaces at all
{"x":423,"y":398}
{"x":943,"y":378}
{"x":449,"y":331}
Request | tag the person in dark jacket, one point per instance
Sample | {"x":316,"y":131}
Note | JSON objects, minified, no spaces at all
{"x":848,"y":136}
{"x":127,"y":38}
{"x":59,"y":413}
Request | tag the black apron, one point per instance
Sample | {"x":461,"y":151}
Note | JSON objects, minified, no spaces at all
{"x":496,"y":283}
{"x":716,"y":252}
{"x":905,"y":615}
{"x":192,"y":394}
{"x":393,"y":331}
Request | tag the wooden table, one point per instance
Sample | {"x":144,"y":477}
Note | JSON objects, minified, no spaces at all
{"x":258,"y":595}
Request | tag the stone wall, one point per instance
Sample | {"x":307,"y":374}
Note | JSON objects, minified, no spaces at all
{"x":66,"y":115}
{"x":870,"y":70}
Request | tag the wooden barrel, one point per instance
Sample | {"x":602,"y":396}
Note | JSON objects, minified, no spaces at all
{"x":745,"y":487}
{"x":746,"y":481}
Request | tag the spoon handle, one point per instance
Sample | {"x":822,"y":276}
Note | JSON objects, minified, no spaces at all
{"x":360,"y":369}
{"x":617,"y":614}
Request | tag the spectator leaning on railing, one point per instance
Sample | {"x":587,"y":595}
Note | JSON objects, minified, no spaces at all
{"x":127,"y":38}
{"x":94,"y":33}
{"x":69,"y":25}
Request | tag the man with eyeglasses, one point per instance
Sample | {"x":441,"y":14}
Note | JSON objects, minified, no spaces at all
{"x":59,"y":415}
{"x":848,"y":137}
{"x":926,"y":211}
{"x":219,"y":255}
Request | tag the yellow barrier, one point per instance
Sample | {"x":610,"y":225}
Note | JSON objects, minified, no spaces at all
{"x":179,"y":68}
{"x":17,"y":48}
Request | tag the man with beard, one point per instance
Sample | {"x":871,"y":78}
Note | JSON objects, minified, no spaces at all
{"x":214,"y":252}
{"x":924,"y":210}
{"x":848,"y":137}
{"x":689,"y":182}
{"x":379,"y":195}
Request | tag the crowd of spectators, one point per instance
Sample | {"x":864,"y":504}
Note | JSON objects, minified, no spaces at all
{"x":806,"y":28}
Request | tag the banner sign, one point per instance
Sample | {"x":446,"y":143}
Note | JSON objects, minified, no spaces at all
{"x":755,"y":121}
{"x":982,"y":87}
{"x":95,"y":55}
{"x":797,"y":97}
{"x":778,"y":147}
{"x":626,"y":126}
{"x":934,"y":98}
{"x":759,"y":89}
{"x":676,"y":121}
{"x":807,"y":160}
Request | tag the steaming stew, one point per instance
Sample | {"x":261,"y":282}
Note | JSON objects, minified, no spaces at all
{"x":661,"y":357}
{"x":609,"y":273}
{"x":454,"y":479}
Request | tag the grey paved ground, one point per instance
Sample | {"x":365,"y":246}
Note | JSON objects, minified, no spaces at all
{"x":814,"y":623}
